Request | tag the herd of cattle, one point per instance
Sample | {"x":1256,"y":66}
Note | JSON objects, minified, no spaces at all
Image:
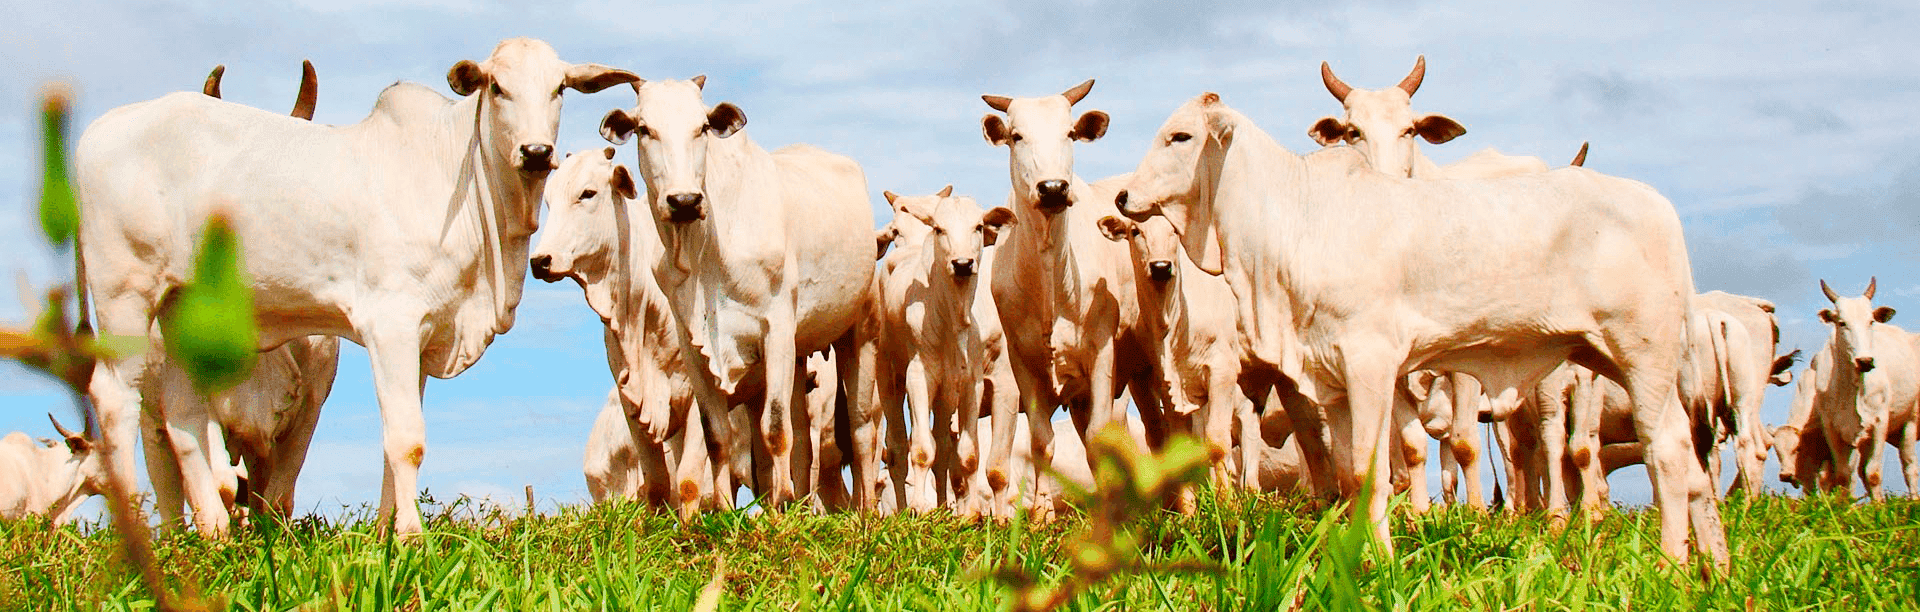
{"x":1315,"y":318}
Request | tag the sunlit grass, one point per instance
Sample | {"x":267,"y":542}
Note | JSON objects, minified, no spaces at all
{"x":1277,"y":553}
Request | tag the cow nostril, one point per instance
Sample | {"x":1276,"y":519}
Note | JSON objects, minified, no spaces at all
{"x":1051,"y":187}
{"x":1864,"y":364}
{"x":963,"y":267}
{"x":683,"y":200}
{"x":1121,"y":199}
{"x":542,"y":267}
{"x":1161,"y":270}
{"x":536,"y":151}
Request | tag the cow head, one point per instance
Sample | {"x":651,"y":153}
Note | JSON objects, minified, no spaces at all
{"x":520,"y":86}
{"x":957,"y":230}
{"x":673,"y":125}
{"x":1153,"y":243}
{"x":1852,"y":320}
{"x":82,"y":472}
{"x":1177,"y":176}
{"x":586,"y":200}
{"x":1039,"y":135}
{"x":1381,"y":123}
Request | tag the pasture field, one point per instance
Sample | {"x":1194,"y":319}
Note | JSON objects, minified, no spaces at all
{"x":1270,"y":553}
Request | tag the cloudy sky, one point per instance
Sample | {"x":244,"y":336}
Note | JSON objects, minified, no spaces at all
{"x":1780,"y":130}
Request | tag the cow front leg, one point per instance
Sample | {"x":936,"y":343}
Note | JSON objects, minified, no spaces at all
{"x":1370,"y":391}
{"x":194,"y":437}
{"x":922,"y":495}
{"x":393,"y":348}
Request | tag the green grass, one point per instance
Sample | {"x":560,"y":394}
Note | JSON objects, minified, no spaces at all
{"x":1789,"y":554}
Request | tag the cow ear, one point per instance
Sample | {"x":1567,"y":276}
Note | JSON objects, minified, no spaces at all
{"x":890,"y":196}
{"x":466,"y":77}
{"x":78,"y":445}
{"x":1826,"y":315}
{"x":591,"y":78}
{"x":1328,"y":131}
{"x":1090,"y":127}
{"x":994,"y":129}
{"x":623,"y":182}
{"x":996,"y":221}
{"x":726,"y":119}
{"x":883,"y":238}
{"x":917,"y":210}
{"x":700,"y":81}
{"x":617,"y":126}
{"x":1438,"y":128}
{"x":1115,"y":228}
{"x":1883,"y":314}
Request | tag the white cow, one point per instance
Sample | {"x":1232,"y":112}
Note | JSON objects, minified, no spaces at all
{"x":399,"y":232}
{"x":1188,"y":318}
{"x":930,"y":351}
{"x":612,"y":462}
{"x":1064,"y":292}
{"x":1382,"y":125}
{"x":589,"y":237}
{"x":1286,"y":229}
{"x":769,"y":261}
{"x":1871,"y":391}
{"x":49,"y":478}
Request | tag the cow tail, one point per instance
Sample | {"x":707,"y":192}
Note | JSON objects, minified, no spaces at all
{"x":1722,"y":355}
{"x":84,"y":326}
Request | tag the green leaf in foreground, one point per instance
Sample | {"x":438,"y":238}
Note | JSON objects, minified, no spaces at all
{"x":209,"y":324}
{"x":59,"y":213}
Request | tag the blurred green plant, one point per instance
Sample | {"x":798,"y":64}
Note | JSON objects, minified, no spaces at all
{"x":208,"y":323}
{"x":1129,"y":485}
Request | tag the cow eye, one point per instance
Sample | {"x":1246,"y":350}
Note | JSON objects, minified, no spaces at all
{"x":1017,"y":137}
{"x":1180,"y":137}
{"x":588,"y":194}
{"x":643,"y":131}
{"x":939,"y":230}
{"x":1408,"y":132}
{"x":495,"y":88}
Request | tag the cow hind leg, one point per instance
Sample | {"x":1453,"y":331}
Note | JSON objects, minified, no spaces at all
{"x":1681,"y":488}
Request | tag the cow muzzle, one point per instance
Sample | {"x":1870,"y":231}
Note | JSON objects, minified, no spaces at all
{"x":962,"y":268}
{"x":1863,"y":364}
{"x":542,"y":268}
{"x":685,"y":207}
{"x":536,"y":158}
{"x":1136,"y":212}
{"x":1053,"y":195}
{"x":1160,"y":270}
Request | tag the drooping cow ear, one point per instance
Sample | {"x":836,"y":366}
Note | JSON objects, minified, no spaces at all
{"x":996,"y":221}
{"x":78,"y":445}
{"x":617,"y":126}
{"x":623,"y":183}
{"x":995,"y":129}
{"x":726,"y":119}
{"x":881,"y":239}
{"x":1883,"y":314}
{"x":1826,"y":315}
{"x":1090,"y":127}
{"x":915,"y":209}
{"x":1328,"y":131}
{"x":1437,"y":128}
{"x":466,"y":77}
{"x":1115,"y":228}
{"x":591,"y":78}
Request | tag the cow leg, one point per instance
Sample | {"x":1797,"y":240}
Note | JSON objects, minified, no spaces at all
{"x":1217,"y":423}
{"x":192,"y":435}
{"x":891,"y":390}
{"x":1680,"y":486}
{"x":1909,"y":467}
{"x":1000,"y":396}
{"x":1310,"y":431}
{"x":921,"y":486}
{"x":1252,"y":445}
{"x":116,"y":385}
{"x":1553,"y":450}
{"x":963,"y":385}
{"x":1872,"y":461}
{"x":393,"y":347}
{"x":1586,"y":403}
{"x":693,"y":475}
{"x":1410,"y":445}
{"x":1370,"y":391}
{"x":1038,"y":405}
{"x":856,"y":359}
{"x":1465,"y":436}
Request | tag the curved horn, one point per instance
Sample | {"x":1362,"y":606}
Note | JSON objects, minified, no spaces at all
{"x":1828,"y":290}
{"x":944,"y":192}
{"x":1580,"y":159}
{"x":212,"y":86}
{"x":1078,"y":92}
{"x":1871,"y":281}
{"x":309,"y":91}
{"x":998,"y":103}
{"x":1335,"y":86}
{"x":64,"y":432}
{"x":1412,"y":82}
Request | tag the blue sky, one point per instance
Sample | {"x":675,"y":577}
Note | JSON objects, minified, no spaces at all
{"x":1782,"y":131}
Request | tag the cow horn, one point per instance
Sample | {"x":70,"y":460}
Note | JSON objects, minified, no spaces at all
{"x":1871,"y":281}
{"x":1335,"y":86}
{"x":1412,"y":82}
{"x":309,"y":91}
{"x":699,"y":81}
{"x":1580,"y":159}
{"x":64,"y":432}
{"x":1828,"y":290}
{"x":1078,"y":92}
{"x":947,"y":191}
{"x":212,"y":86}
{"x":998,"y":103}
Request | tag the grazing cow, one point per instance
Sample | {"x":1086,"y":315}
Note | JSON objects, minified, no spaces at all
{"x":589,"y":238}
{"x":612,"y":463}
{"x":929,"y":349}
{"x":1599,"y":276}
{"x":765,"y":266}
{"x":396,"y":232}
{"x":1871,"y":390}
{"x":1064,"y":292}
{"x":1805,"y":459}
{"x":1187,"y":318}
{"x":48,"y":478}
